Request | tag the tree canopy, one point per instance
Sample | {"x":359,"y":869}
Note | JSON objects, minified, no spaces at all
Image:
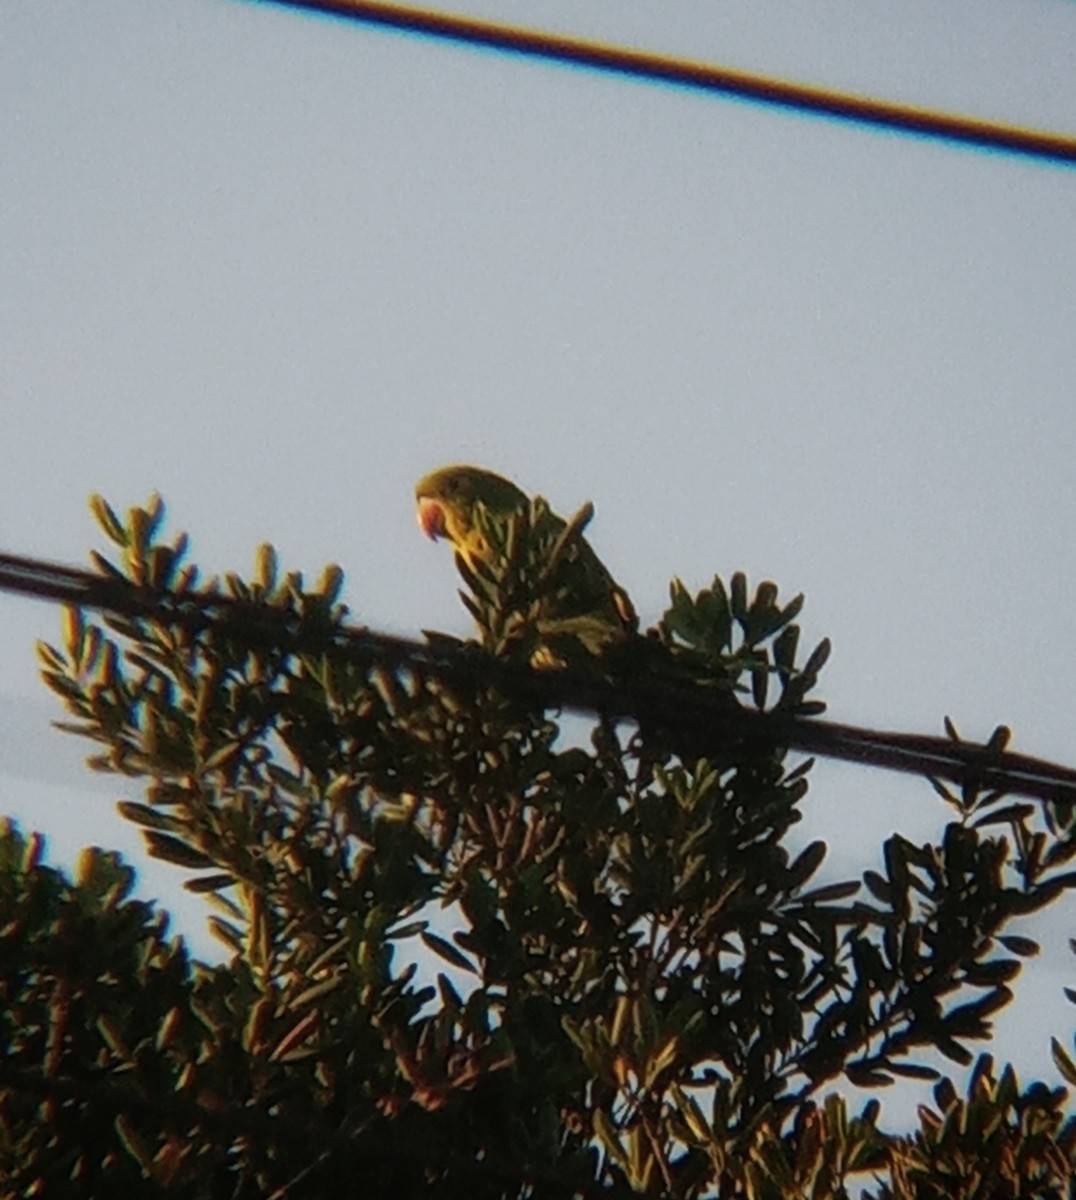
{"x":476,"y":948}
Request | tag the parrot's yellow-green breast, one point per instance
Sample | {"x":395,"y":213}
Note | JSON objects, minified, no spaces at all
{"x":589,"y":604}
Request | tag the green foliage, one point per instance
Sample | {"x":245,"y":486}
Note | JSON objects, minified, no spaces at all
{"x":636,"y":988}
{"x":543,"y":596}
{"x":114,"y":1044}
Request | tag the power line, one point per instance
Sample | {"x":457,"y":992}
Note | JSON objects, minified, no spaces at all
{"x":704,"y":719}
{"x":762,"y":89}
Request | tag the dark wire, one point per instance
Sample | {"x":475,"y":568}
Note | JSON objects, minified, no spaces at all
{"x":704,"y":719}
{"x":762,"y":89}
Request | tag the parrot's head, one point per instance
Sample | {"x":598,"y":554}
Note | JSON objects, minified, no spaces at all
{"x":447,"y":499}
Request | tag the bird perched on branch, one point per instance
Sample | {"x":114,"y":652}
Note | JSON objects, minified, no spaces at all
{"x":509,"y":545}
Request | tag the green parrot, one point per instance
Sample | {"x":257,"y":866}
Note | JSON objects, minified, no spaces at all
{"x":481,"y":512}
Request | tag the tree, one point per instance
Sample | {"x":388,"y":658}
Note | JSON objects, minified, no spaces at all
{"x":641,"y":990}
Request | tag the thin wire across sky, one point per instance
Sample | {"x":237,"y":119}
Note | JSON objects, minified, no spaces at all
{"x":706,"y":719}
{"x":659,"y":68}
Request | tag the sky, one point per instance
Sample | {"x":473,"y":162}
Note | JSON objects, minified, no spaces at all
{"x":277,"y":266}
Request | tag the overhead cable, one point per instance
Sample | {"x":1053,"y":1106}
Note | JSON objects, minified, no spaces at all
{"x":703,"y":718}
{"x":688,"y":73}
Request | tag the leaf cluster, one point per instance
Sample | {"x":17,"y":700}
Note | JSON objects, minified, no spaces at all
{"x":541,"y":595}
{"x":468,"y":950}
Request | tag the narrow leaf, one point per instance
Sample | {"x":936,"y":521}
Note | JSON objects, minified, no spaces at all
{"x":447,"y":951}
{"x":172,"y":850}
{"x":1022,"y":946}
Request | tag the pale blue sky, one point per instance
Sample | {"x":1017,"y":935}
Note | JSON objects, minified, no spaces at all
{"x":277,"y":266}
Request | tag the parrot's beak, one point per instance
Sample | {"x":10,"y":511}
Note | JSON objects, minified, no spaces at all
{"x":431,"y":517}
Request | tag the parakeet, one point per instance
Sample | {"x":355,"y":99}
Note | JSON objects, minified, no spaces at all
{"x":578,"y":599}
